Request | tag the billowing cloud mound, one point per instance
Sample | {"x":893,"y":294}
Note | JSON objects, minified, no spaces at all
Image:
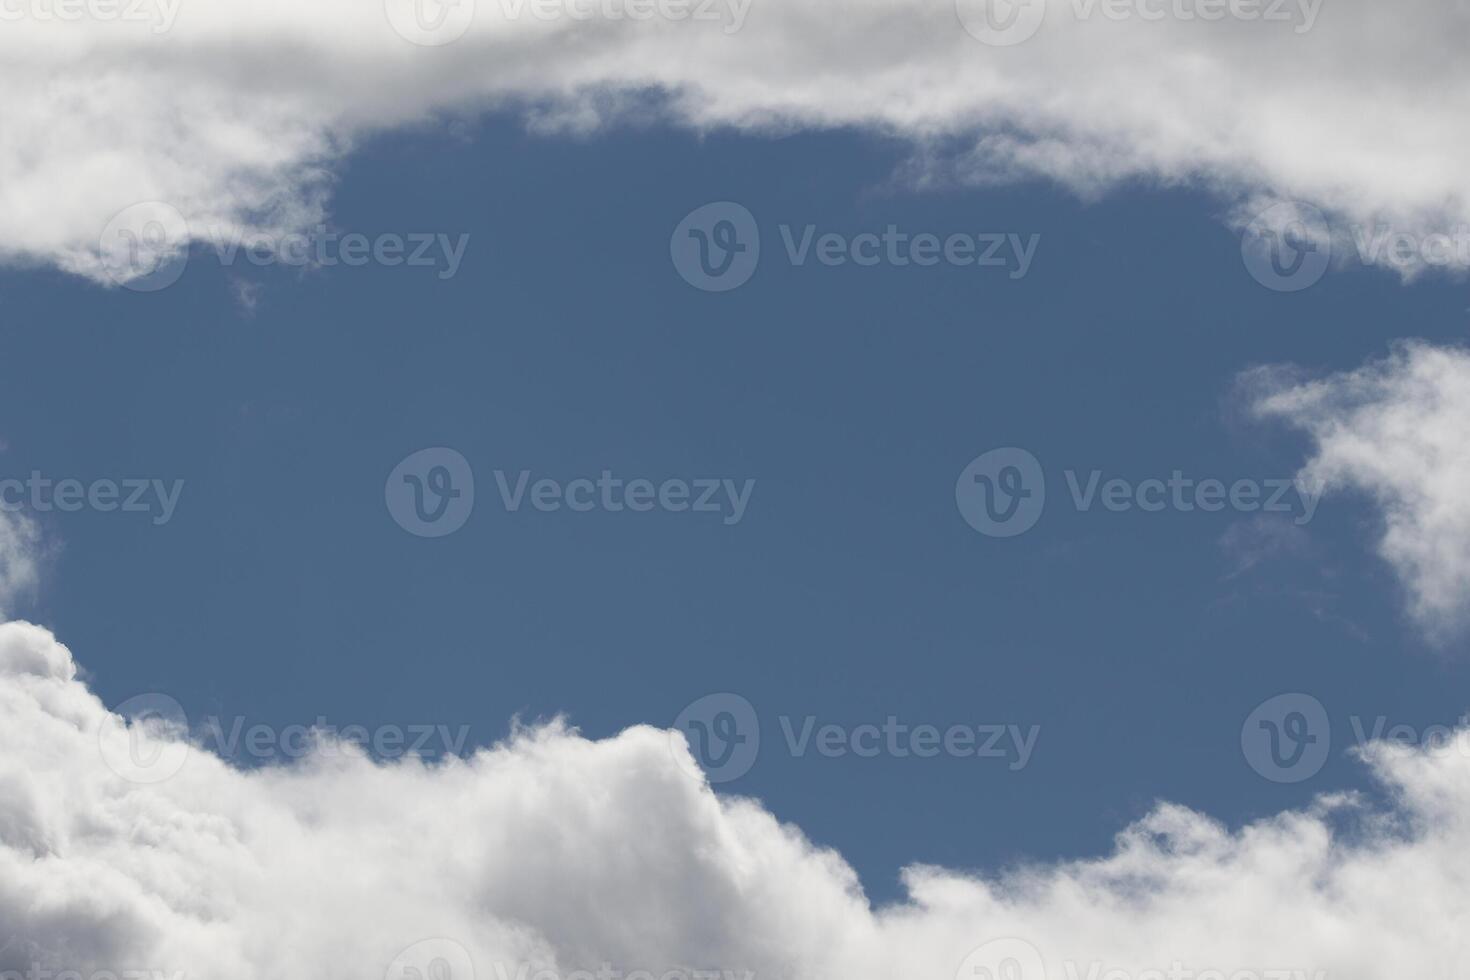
{"x":1398,"y":430}
{"x":232,"y":112}
{"x":552,"y":852}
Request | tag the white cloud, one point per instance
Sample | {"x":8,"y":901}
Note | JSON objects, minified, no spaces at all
{"x":1397,"y":430}
{"x":567,"y":853}
{"x":236,"y":114}
{"x":19,"y":558}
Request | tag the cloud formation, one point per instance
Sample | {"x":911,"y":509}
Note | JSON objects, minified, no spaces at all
{"x":234,"y":113}
{"x":19,"y":558}
{"x":1396,"y":430}
{"x":553,"y":852}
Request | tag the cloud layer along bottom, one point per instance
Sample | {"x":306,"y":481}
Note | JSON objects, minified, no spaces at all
{"x":551,"y":852}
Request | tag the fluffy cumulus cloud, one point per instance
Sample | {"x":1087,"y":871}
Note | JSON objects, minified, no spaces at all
{"x":1396,"y":430}
{"x":234,"y":112}
{"x":551,"y":852}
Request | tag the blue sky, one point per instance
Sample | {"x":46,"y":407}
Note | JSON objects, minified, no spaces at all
{"x":281,"y":589}
{"x":684,"y":490}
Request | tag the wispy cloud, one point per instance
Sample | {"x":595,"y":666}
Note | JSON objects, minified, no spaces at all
{"x":1395,"y":430}
{"x":19,"y":559}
